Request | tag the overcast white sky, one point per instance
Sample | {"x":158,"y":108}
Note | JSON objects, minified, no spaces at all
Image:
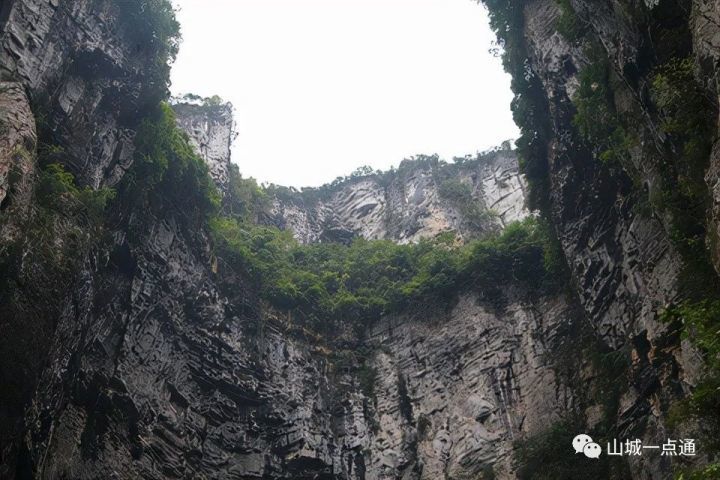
{"x":321,"y":87}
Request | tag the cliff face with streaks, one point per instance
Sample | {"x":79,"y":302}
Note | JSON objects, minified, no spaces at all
{"x":129,"y":350}
{"x":410,"y":203}
{"x":159,"y":368}
{"x":141,"y":361}
{"x":613,"y":98}
{"x":211,"y":132}
{"x":82,"y":61}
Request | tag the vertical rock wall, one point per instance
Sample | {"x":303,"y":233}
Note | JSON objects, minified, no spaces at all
{"x":211,"y":132}
{"x":159,"y":364}
{"x":625,"y":265}
{"x":86,"y":75}
{"x":408,"y":204}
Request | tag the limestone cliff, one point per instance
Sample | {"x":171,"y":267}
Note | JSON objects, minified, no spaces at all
{"x":85,"y":63}
{"x":211,"y":131}
{"x":129,"y":349}
{"x":409,"y":203}
{"x":593,"y":82}
{"x":138,"y":357}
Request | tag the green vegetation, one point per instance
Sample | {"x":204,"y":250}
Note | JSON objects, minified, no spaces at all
{"x":53,"y":239}
{"x":57,"y":191}
{"x":603,"y":381}
{"x":367,"y":377}
{"x":595,"y":118}
{"x":65,"y":222}
{"x":41,"y":257}
{"x":209,"y":102}
{"x":683,"y":135}
{"x":313,"y":194}
{"x":152,"y":26}
{"x":529,"y":107}
{"x":568,"y":24}
{"x":709,"y":472}
{"x":440,"y":170}
{"x":460,"y":195}
{"x":700,"y":322}
{"x":688,"y":119}
{"x":455,"y":190}
{"x":322,"y":283}
{"x":166,"y":172}
{"x":245,"y":199}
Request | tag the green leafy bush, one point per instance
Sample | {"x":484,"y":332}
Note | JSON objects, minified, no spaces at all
{"x":682,"y":101}
{"x":56,"y":190}
{"x":708,"y":472}
{"x":166,"y":172}
{"x":687,"y":115}
{"x":152,"y":26}
{"x":360,"y":282}
{"x":367,"y":377}
{"x":688,"y":118}
{"x":568,"y":23}
{"x":460,"y":195}
{"x":595,"y":118}
{"x":454,"y":189}
{"x":245,"y":199}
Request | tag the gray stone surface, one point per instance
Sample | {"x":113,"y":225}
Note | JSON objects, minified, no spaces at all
{"x":162,"y":364}
{"x":624,"y":263}
{"x":211,"y":130}
{"x":78,"y":59}
{"x":17,"y":146}
{"x":407,"y":206}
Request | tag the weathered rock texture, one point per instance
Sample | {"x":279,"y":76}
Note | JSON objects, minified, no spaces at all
{"x":147,"y":359}
{"x":80,"y":61}
{"x":78,"y":66}
{"x":624,"y":263}
{"x":407,"y":204}
{"x":163,"y":390}
{"x":705,"y":22}
{"x":455,"y":389}
{"x":211,"y":132}
{"x":18,"y":141}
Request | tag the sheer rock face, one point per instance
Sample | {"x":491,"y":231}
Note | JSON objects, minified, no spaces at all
{"x":407,"y":205}
{"x":162,"y":365}
{"x":17,"y":145}
{"x":455,"y":389}
{"x":211,"y":132}
{"x":625,"y":265}
{"x":161,"y":368}
{"x":79,"y":61}
{"x":706,"y":43}
{"x":624,"y":262}
{"x":176,"y":375}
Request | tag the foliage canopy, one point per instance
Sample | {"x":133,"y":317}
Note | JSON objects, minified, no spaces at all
{"x":329,"y":282}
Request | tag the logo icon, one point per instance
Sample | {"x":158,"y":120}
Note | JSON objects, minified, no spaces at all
{"x":580,"y":441}
{"x":592,"y":450}
{"x":584,"y":444}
